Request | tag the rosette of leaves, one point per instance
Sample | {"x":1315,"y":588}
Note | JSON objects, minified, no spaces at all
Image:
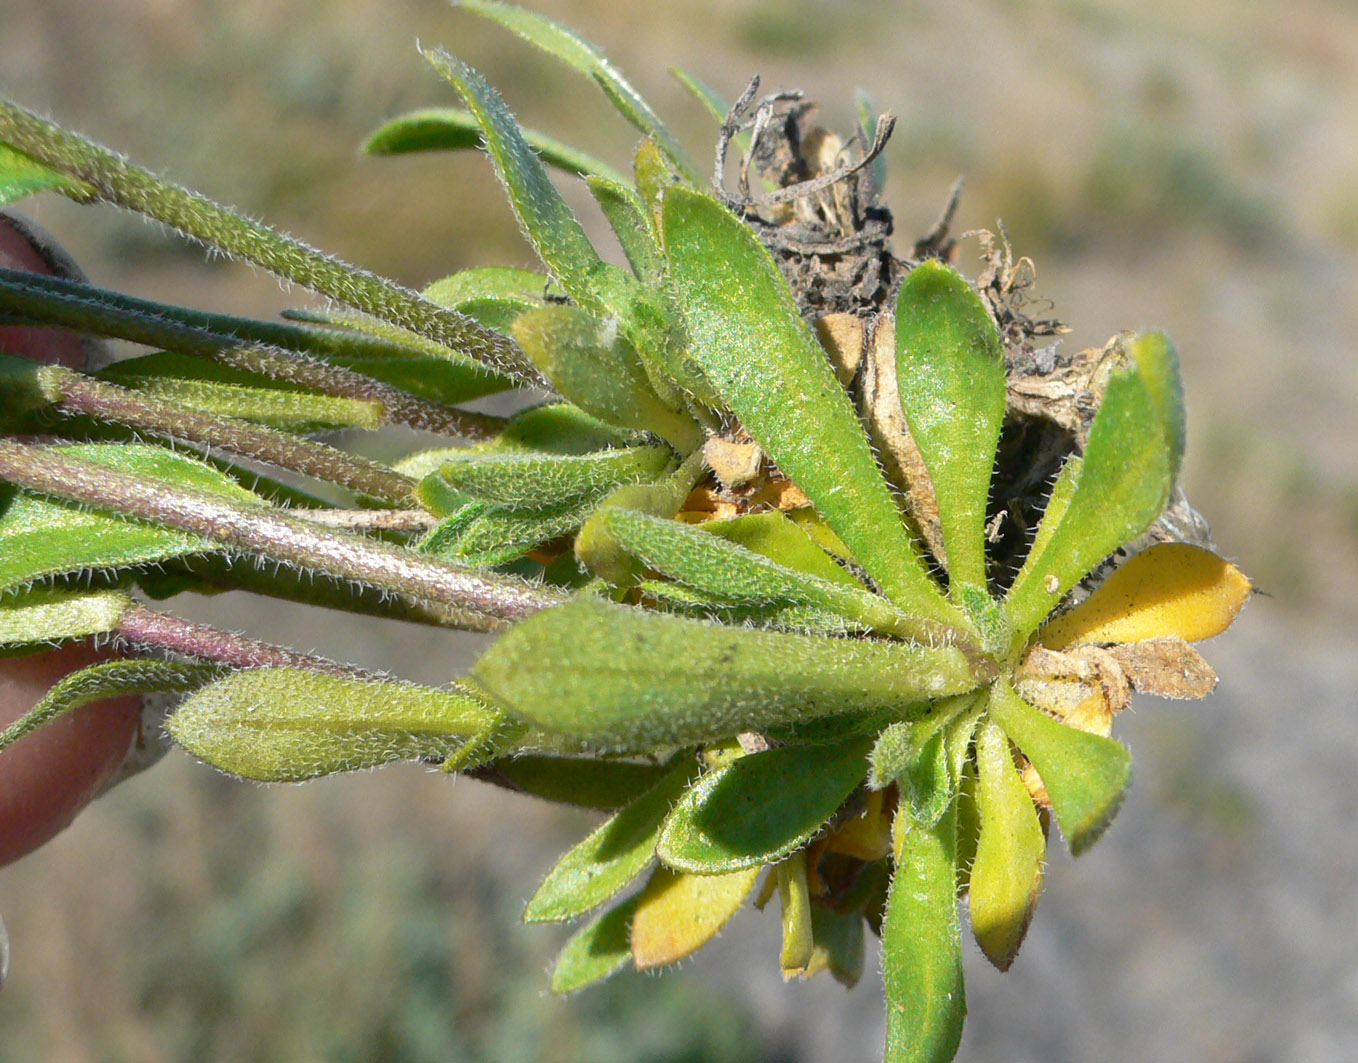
{"x":758,"y":597}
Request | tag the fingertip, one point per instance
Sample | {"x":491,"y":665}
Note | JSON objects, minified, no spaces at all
{"x":25,"y":245}
{"x":47,"y":777}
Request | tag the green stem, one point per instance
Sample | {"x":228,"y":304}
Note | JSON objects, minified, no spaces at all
{"x":116,"y":181}
{"x":490,"y":602}
{"x":76,"y":393}
{"x":85,"y":309}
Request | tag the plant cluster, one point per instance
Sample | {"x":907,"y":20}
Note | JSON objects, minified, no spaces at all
{"x":814,"y":571}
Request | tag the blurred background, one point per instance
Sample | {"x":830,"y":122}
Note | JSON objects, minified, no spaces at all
{"x":1191,"y":166}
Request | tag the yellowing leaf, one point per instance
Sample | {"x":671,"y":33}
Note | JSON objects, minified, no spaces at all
{"x":1172,"y":589}
{"x":1006,"y":877}
{"x":679,"y":914}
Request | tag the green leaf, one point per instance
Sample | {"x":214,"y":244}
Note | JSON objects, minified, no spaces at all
{"x":1006,"y":876}
{"x":612,"y":856}
{"x":598,"y":370}
{"x":288,"y":724}
{"x":1086,"y":775}
{"x":867,"y":126}
{"x":41,"y":538}
{"x":677,"y":598}
{"x":922,"y":946}
{"x":570,"y":48}
{"x":287,"y":410}
{"x":437,"y":379}
{"x":794,"y":895}
{"x":717,"y":566}
{"x":1157,"y":362}
{"x":49,"y":614}
{"x":585,"y":781}
{"x":453,"y":129}
{"x":622,"y":678}
{"x":837,"y":945}
{"x":597,"y":951}
{"x":551,"y":225}
{"x":488,"y":282}
{"x":481,"y":535}
{"x":108,"y":679}
{"x":762,"y":807}
{"x":762,"y":358}
{"x":950,"y":369}
{"x":917,"y":756}
{"x":21,"y":175}
{"x":627,"y":216}
{"x":776,"y":536}
{"x":537,"y":481}
{"x":1124,"y":482}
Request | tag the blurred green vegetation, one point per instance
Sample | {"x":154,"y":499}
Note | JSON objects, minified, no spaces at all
{"x":1189,"y":166}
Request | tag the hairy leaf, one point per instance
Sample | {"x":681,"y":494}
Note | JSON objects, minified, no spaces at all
{"x":1123,"y":485}
{"x":453,"y":129}
{"x":108,"y":679}
{"x":598,"y":950}
{"x":21,"y":175}
{"x":41,"y":538}
{"x":585,"y":781}
{"x":1006,"y":876}
{"x":621,"y":678}
{"x":569,"y":47}
{"x":950,"y":369}
{"x":1085,"y":774}
{"x":614,"y":854}
{"x":50,"y":614}
{"x":754,"y":348}
{"x":761,"y":807}
{"x":678,"y":914}
{"x":922,"y":946}
{"x":287,"y":724}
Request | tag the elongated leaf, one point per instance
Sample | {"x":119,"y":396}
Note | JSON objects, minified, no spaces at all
{"x":287,"y":410}
{"x":753,"y":346}
{"x":677,"y":598}
{"x":922,"y":946}
{"x":717,"y":566}
{"x":488,"y":282}
{"x":620,"y":678}
{"x":600,"y":949}
{"x":635,"y":232}
{"x":950,"y":368}
{"x":1170,"y":589}
{"x":837,"y":946}
{"x":612,"y":856}
{"x":535,"y":481}
{"x":1006,"y":877}
{"x":481,"y":535}
{"x":596,"y":369}
{"x":787,"y":542}
{"x":599,"y":551}
{"x":21,"y":175}
{"x":1124,"y":483}
{"x":453,"y":129}
{"x":41,"y":538}
{"x":570,"y":48}
{"x":549,"y":222}
{"x":286,"y":724}
{"x":1085,"y":774}
{"x":586,"y":781}
{"x":48,"y":615}
{"x":916,"y":755}
{"x":761,"y":807}
{"x":678,"y":914}
{"x":1157,"y":362}
{"x":795,"y":897}
{"x":108,"y":679}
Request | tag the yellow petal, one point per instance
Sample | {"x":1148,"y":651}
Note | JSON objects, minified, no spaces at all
{"x":680,"y":913}
{"x":1171,"y":589}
